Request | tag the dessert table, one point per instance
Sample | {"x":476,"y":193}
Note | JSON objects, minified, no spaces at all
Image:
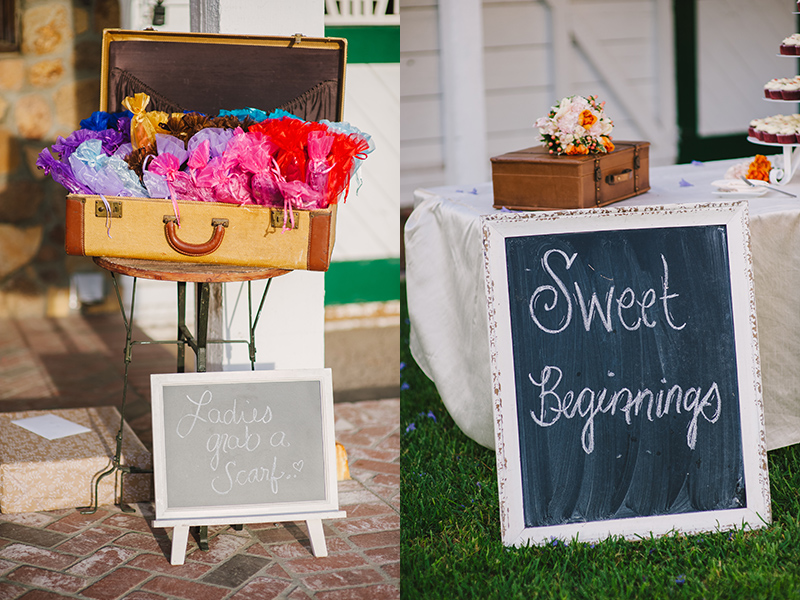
{"x":448,"y":311}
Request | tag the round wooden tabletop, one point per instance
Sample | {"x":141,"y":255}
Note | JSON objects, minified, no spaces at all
{"x":181,"y":271}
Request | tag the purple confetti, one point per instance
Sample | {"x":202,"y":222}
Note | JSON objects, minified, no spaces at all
{"x":684,"y":183}
{"x":402,"y":366}
{"x":697,"y":163}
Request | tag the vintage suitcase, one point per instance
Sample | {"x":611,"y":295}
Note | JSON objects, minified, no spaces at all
{"x":533,"y":179}
{"x":206,"y":73}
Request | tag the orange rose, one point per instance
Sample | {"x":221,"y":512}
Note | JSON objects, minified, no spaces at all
{"x":607,"y":144}
{"x":579,"y":149}
{"x":587,"y":119}
{"x":759,"y":168}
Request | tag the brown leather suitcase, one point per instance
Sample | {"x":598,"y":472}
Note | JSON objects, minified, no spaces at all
{"x":533,"y":179}
{"x":206,"y":73}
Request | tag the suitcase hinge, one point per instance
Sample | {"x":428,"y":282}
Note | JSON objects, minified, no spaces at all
{"x":636,"y":165}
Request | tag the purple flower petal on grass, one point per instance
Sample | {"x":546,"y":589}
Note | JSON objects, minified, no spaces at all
{"x":402,"y":366}
{"x":681,"y":579}
{"x":430,"y":415}
{"x":405,"y":386}
{"x":411,"y":427}
{"x":684,"y":183}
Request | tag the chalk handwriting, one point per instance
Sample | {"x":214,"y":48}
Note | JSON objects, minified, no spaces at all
{"x":234,"y":447}
{"x":631,"y":309}
{"x":225,"y":442}
{"x":551,"y":404}
{"x":243,"y":477}
{"x":229,"y":417}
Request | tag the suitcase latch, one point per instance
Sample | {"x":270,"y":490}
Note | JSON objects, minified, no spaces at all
{"x":115,"y":208}
{"x":276,"y":220}
{"x":619,"y":177}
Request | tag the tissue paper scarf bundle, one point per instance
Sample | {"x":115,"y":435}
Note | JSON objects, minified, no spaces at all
{"x":239,"y":157}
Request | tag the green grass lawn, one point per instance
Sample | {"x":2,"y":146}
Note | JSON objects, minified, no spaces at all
{"x":450,"y":529}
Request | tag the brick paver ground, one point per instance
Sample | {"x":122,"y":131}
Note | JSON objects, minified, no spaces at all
{"x":76,"y":362}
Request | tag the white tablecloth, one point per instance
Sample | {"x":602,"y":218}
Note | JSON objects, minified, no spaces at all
{"x":447,"y":302}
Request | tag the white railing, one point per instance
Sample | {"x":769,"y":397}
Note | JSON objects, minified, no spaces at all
{"x":362,"y":12}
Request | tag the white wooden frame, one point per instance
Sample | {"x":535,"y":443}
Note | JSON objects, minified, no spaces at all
{"x":735,"y":217}
{"x":181,"y":518}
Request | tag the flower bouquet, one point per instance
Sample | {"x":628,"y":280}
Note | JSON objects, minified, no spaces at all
{"x":576,"y":125}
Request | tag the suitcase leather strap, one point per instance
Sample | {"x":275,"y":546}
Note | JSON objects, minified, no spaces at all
{"x":598,"y":177}
{"x":189,"y":249}
{"x":624,"y":176}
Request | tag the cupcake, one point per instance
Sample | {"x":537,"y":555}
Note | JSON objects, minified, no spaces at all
{"x":770,"y":134}
{"x":789,"y":45}
{"x":772,"y":86}
{"x":755,"y":129}
{"x":791,"y":90}
{"x":786,"y":136}
{"x":773,"y":89}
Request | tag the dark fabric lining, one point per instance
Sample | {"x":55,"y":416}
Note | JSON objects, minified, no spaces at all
{"x":125,"y":84}
{"x":314,"y":104}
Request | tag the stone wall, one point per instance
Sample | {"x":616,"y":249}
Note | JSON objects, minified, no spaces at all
{"x":46,"y":88}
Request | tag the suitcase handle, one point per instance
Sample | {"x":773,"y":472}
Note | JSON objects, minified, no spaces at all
{"x":619,"y":177}
{"x":187,"y":249}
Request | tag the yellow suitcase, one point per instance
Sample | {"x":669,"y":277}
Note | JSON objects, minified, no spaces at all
{"x":206,"y":73}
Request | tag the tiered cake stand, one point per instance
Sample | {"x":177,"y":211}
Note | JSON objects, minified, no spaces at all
{"x":791,"y":154}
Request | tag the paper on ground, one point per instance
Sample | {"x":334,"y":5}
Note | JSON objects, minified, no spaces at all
{"x":51,"y":427}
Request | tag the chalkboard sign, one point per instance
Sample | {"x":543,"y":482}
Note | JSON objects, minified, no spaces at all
{"x":625,"y":372}
{"x":243,"y":446}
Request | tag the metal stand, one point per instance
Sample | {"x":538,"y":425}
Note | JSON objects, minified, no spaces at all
{"x":198,"y":342}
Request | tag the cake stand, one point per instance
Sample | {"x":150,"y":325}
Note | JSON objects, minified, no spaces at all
{"x":790,"y":160}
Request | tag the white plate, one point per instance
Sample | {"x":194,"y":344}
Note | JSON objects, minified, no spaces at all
{"x":737,"y":189}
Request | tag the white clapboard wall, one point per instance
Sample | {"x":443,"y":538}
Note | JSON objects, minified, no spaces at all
{"x":538,"y":51}
{"x":737,"y":56}
{"x":367,"y":222}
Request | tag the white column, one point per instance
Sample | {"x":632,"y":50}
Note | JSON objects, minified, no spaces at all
{"x":463,"y":94}
{"x":291,"y":331}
